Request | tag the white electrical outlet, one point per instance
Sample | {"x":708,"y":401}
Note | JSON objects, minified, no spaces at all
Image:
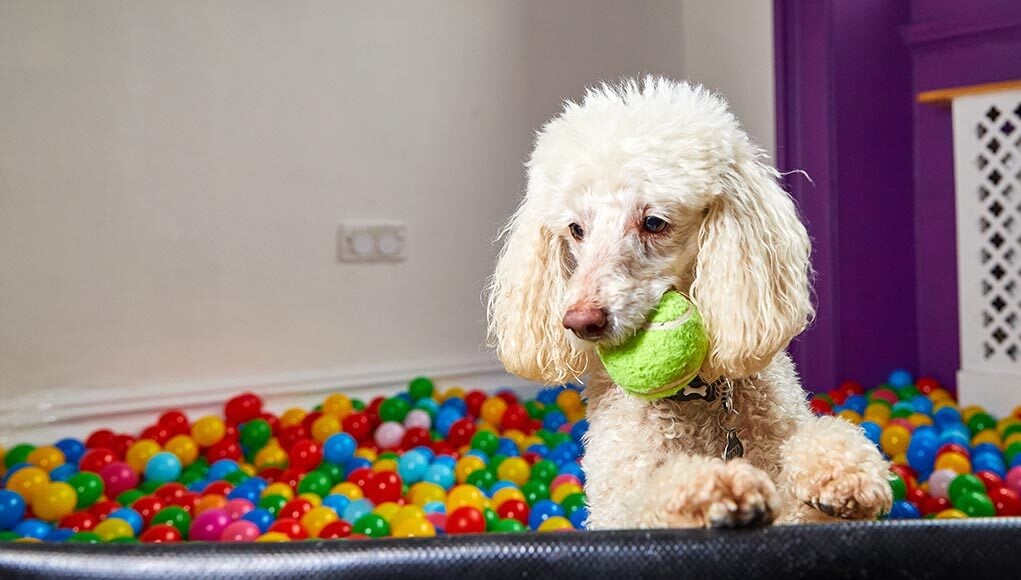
{"x":373,"y":242}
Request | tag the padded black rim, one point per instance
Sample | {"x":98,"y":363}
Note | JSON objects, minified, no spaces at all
{"x":981,"y":549}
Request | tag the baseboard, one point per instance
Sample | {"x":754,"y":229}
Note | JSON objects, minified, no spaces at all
{"x":998,"y":393}
{"x":45,"y":417}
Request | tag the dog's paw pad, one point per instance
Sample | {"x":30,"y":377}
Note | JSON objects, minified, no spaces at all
{"x":734,"y":495}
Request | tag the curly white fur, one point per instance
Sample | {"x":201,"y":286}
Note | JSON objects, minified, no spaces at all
{"x":734,"y":242}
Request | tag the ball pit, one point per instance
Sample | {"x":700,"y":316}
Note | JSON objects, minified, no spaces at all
{"x":417,"y":464}
{"x":422,"y":464}
{"x":948,"y":462}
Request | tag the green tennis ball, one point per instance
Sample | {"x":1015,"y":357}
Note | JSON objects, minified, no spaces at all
{"x":664,"y":355}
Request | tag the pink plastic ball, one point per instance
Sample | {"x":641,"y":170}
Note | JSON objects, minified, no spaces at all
{"x":389,"y":435}
{"x":208,"y":526}
{"x":240,"y":531}
{"x":939,"y":482}
{"x":118,"y":477}
{"x":564,"y":478}
{"x":417,"y":418}
{"x":438,"y":520}
{"x":238,"y":507}
{"x":1013,"y":479}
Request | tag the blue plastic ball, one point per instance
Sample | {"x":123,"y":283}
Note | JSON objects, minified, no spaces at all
{"x":543,"y":510}
{"x":222,"y":469}
{"x":922,"y":404}
{"x":456,"y":405}
{"x":63,"y":472}
{"x":72,"y":449}
{"x":412,"y":466}
{"x":904,"y":510}
{"x":553,"y":420}
{"x":249,"y":492}
{"x":445,"y":460}
{"x":58,"y":535}
{"x":574,"y":469}
{"x":434,"y":507}
{"x":357,"y":509}
{"x":163,"y":467}
{"x":989,"y":462}
{"x":33,"y":528}
{"x":947,"y":416}
{"x":501,"y":484}
{"x":539,"y":449}
{"x":578,"y":518}
{"x":872,"y":431}
{"x":441,"y":475}
{"x":339,"y":448}
{"x":900,"y":378}
{"x":336,"y":502}
{"x":856,"y":403}
{"x":579,"y":430}
{"x":260,"y":517}
{"x":129,"y":515}
{"x":548,"y":396}
{"x":12,"y":509}
{"x":507,"y":447}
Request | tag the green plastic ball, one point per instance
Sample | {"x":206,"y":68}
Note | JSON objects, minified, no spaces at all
{"x":491,"y":518}
{"x":544,"y":471}
{"x":255,"y":434}
{"x":84,"y":538}
{"x":371,"y":525}
{"x":88,"y":486}
{"x":486,"y":442}
{"x":897,"y":485}
{"x":175,"y":516}
{"x":508,"y":525}
{"x":334,"y":471}
{"x":394,"y":409}
{"x":573,"y":503}
{"x":8,"y":536}
{"x":482,"y":478}
{"x":316,"y":482}
{"x":129,"y":497}
{"x":965,"y":483}
{"x":981,"y":422}
{"x":18,"y":454}
{"x":420,"y":388}
{"x":273,"y":503}
{"x":975,"y":504}
{"x":534,"y":491}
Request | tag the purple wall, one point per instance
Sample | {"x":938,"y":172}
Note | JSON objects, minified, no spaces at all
{"x":844,"y":117}
{"x":881,"y":209}
{"x":952,"y":43}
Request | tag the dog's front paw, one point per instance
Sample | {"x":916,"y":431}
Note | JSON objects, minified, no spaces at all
{"x":724,"y":495}
{"x":849,"y":492}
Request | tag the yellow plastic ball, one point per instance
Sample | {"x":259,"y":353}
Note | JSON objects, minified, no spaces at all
{"x":413,"y":528}
{"x":387,"y":510}
{"x":895,"y":439}
{"x":366,"y":453}
{"x":877,"y":412}
{"x":569,"y":400}
{"x":1004,"y":423}
{"x":900,"y":459}
{"x":325,"y":426}
{"x":454,"y":393}
{"x":918,"y":419}
{"x":140,"y":453}
{"x":384,"y":465}
{"x":465,"y":495}
{"x":516,"y":436}
{"x":311,"y":498}
{"x":54,"y":500}
{"x":316,"y":519}
{"x":953,"y":461}
{"x":515,"y":470}
{"x":563,"y":490}
{"x":28,"y":541}
{"x":349,"y":490}
{"x":405,"y":513}
{"x":986,"y":436}
{"x":575,"y":415}
{"x":951,"y":514}
{"x":970,"y":411}
{"x":1011,"y":439}
{"x":209,"y":502}
{"x":555,"y":524}
{"x":113,"y":528}
{"x":466,"y":466}
{"x":337,"y":405}
{"x":292,"y":417}
{"x":208,"y":431}
{"x":486,"y":426}
{"x":850,"y":415}
{"x":184,"y":447}
{"x":271,"y":456}
{"x":273,"y":537}
{"x":279,"y":488}
{"x":424,"y":492}
{"x":506,"y":493}
{"x":48,"y":458}
{"x":493,"y":409}
{"x":27,"y":480}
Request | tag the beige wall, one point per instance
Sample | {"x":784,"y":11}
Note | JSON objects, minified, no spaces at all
{"x":172,"y":174}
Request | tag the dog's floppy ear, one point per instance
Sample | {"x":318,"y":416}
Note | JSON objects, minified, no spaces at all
{"x":752,"y":273}
{"x":526,"y":296}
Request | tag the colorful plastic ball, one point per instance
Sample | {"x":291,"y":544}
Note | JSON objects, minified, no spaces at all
{"x":12,"y":508}
{"x":63,"y":472}
{"x":956,"y":462}
{"x":261,"y":518}
{"x":975,"y":504}
{"x":118,"y":477}
{"x":73,"y":449}
{"x":161,"y":534}
{"x":131,"y":516}
{"x":389,"y":434}
{"x":240,"y":531}
{"x":33,"y":528}
{"x":414,"y":528}
{"x":465,"y":520}
{"x":418,"y":418}
{"x":26,"y":481}
{"x":175,"y":516}
{"x":113,"y":528}
{"x":53,"y":501}
{"x":208,"y":526}
{"x":371,"y":525}
{"x":903,"y":510}
{"x":163,"y":467}
{"x":357,"y":509}
{"x":334,"y":530}
{"x":79,"y":521}
{"x":543,"y":510}
{"x":46,"y":458}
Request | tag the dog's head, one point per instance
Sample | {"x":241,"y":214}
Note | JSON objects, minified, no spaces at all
{"x":641,"y":188}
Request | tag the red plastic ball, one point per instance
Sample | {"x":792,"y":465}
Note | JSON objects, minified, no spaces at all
{"x":926,"y":385}
{"x":934,"y":505}
{"x":473,"y":401}
{"x":82,"y":521}
{"x":306,"y":455}
{"x":953,"y":447}
{"x":292,"y":477}
{"x":851,"y":388}
{"x":217,"y":488}
{"x":310,"y":419}
{"x":100,"y":438}
{"x":414,"y":437}
{"x":186,"y":501}
{"x":96,"y":459}
{"x":294,"y":509}
{"x":224,"y":449}
{"x":461,"y":432}
{"x":104,"y":508}
{"x":290,"y":528}
{"x":244,"y":407}
{"x":1006,"y":501}
{"x":515,"y":417}
{"x":443,"y":447}
{"x":289,"y":436}
{"x":917,"y":496}
{"x":271,"y":474}
{"x":989,"y":479}
{"x":273,"y":421}
{"x":157,"y":433}
{"x":909,"y":475}
{"x":147,"y":507}
{"x":838,"y":396}
{"x":161,"y":534}
{"x":121,"y":443}
{"x":466,"y":520}
{"x":360,"y":476}
{"x":508,"y":398}
{"x":170,"y":491}
{"x":357,"y":425}
{"x":383,"y":486}
{"x":334,"y":530}
{"x":514,"y":509}
{"x":175,"y":421}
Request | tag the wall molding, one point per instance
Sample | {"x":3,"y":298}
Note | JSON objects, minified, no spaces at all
{"x":977,"y":23}
{"x":64,"y":412}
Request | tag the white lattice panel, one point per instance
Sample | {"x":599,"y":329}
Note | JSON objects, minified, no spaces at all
{"x":987,"y":164}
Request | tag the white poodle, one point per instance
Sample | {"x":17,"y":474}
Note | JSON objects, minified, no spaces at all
{"x":644,"y":187}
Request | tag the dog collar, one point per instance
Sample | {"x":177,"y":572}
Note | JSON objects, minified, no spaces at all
{"x":723,"y":388}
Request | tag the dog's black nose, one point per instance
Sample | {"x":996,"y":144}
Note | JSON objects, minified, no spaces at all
{"x":586,"y":321}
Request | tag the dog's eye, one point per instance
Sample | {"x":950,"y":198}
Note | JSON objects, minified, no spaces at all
{"x":653,"y":224}
{"x":577,"y":232}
